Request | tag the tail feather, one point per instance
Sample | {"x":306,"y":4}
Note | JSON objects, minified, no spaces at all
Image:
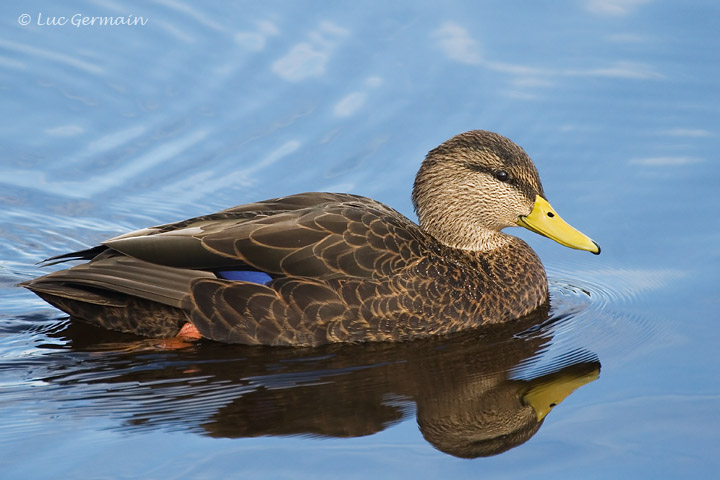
{"x":48,"y":290}
{"x":87,"y":254}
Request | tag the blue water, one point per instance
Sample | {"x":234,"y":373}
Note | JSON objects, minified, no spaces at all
{"x":110,"y":128}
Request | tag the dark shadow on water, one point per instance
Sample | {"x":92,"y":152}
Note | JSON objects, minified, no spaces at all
{"x":464,"y":390}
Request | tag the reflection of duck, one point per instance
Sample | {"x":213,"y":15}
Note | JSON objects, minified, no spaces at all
{"x":469,"y":401}
{"x":492,"y":414}
{"x":319,"y":268}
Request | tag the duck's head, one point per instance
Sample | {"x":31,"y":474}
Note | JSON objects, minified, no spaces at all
{"x":477,"y":183}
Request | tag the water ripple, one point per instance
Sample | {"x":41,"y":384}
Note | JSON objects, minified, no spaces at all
{"x":602,"y":311}
{"x":613,"y":285}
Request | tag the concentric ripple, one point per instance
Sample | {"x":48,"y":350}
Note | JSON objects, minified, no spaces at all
{"x":600,"y":313}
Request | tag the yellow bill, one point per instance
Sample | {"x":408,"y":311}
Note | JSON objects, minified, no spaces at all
{"x":546,"y":222}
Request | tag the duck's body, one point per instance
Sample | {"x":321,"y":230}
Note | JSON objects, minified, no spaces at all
{"x":316,"y":268}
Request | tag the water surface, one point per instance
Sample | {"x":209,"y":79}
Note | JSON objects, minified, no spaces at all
{"x":113,"y":128}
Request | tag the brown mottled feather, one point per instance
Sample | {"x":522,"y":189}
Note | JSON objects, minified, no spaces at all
{"x":344,"y":268}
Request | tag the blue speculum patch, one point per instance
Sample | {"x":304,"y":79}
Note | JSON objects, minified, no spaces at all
{"x":252,"y":276}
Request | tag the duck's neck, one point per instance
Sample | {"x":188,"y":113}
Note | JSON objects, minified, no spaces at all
{"x":475,"y":240}
{"x":458,"y":218}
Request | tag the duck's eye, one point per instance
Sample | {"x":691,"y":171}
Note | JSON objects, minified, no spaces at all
{"x":502,"y":175}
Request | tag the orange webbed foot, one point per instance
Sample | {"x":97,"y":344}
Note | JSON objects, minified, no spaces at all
{"x":188,"y":332}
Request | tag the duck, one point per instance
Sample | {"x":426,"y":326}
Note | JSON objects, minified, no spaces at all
{"x":316,"y":268}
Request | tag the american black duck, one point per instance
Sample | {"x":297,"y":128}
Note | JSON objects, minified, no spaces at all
{"x":316,"y":268}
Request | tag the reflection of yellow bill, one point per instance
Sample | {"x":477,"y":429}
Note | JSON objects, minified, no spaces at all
{"x":544,"y":396}
{"x":546,"y":222}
